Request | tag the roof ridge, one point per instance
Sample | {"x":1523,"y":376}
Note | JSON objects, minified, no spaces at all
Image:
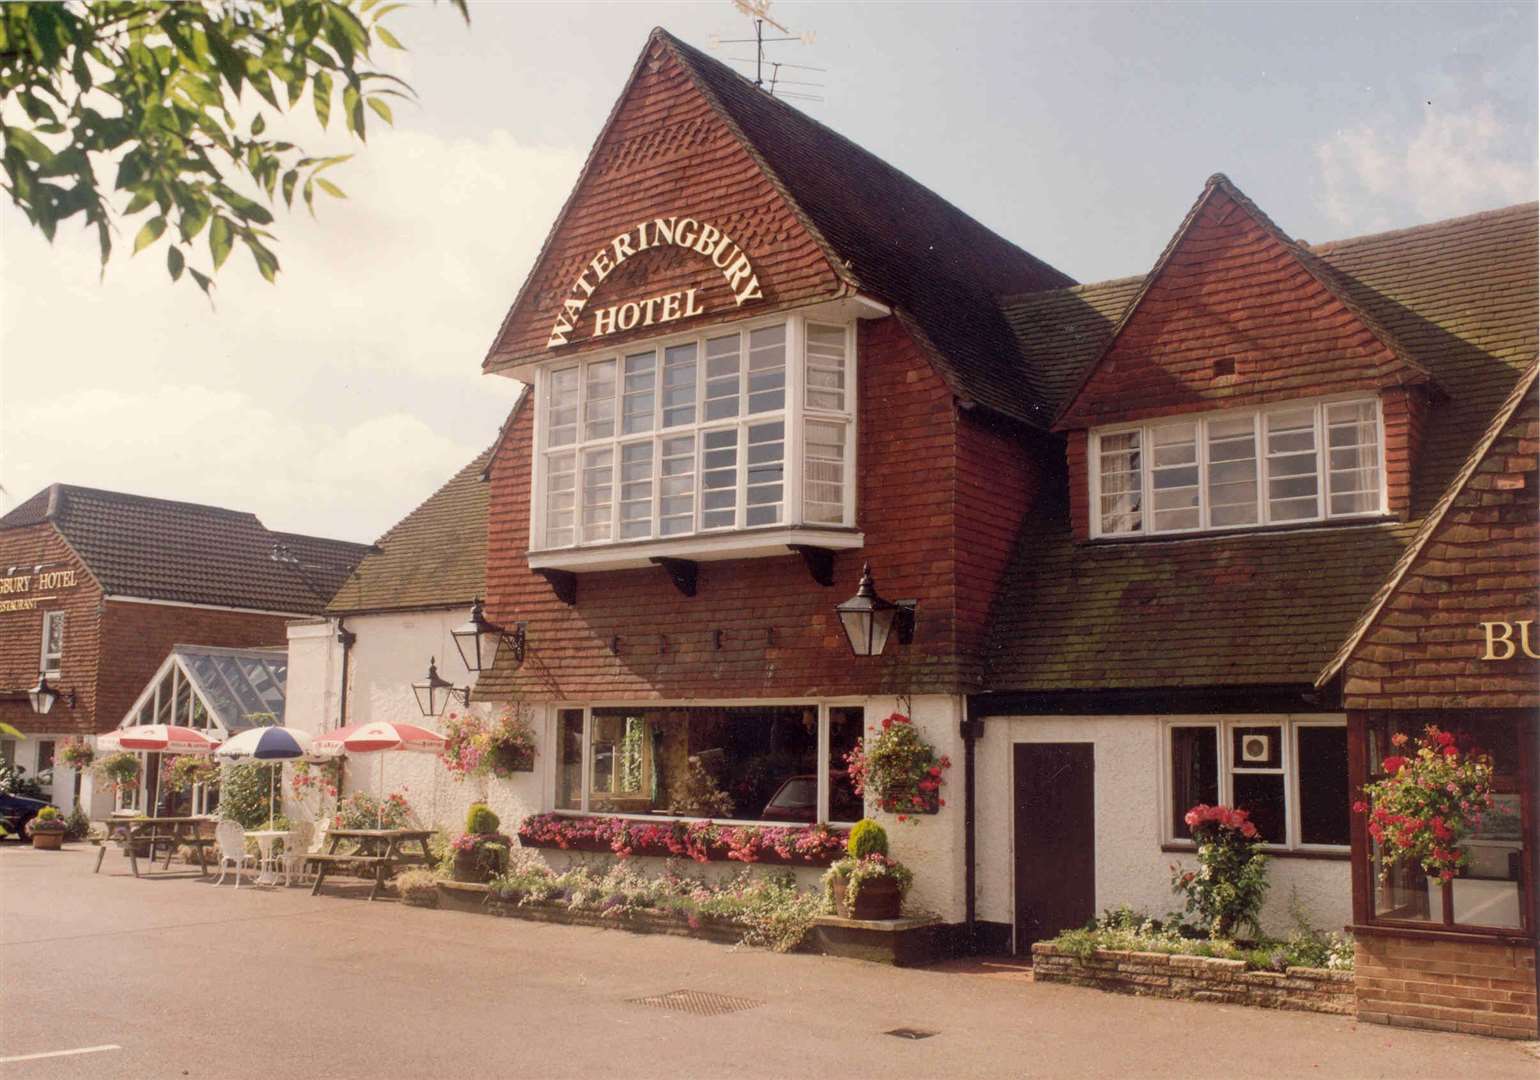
{"x":1430,"y":524}
{"x":1327,"y":246}
{"x":1083,"y":287}
{"x":66,"y":490}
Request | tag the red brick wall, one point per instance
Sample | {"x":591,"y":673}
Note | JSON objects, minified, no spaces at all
{"x":1406,"y":415}
{"x":667,"y":152}
{"x":1480,"y":565}
{"x":1079,"y":485}
{"x":908,"y":506}
{"x":1477,"y":987}
{"x":21,"y":634}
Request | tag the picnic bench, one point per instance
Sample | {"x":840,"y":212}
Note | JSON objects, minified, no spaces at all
{"x":381,"y":850}
{"x":153,"y":834}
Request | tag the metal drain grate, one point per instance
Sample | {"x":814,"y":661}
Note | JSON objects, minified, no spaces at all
{"x":911,"y":1033}
{"x":698,"y":1002}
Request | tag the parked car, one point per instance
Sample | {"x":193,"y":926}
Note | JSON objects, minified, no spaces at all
{"x":797,"y":799}
{"x":17,"y":810}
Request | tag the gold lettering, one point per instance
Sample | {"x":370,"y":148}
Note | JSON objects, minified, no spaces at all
{"x":649,"y":307}
{"x":707,"y":241}
{"x":721,"y":249}
{"x":604,"y":322}
{"x":685,"y":237}
{"x":1524,"y":639}
{"x":670,"y":307}
{"x":751,"y":291}
{"x":1494,"y":640}
{"x":738,"y":271}
{"x":629,"y":313}
{"x":601,"y":266}
{"x":690,"y":306}
{"x":663,"y":231}
{"x":622,"y":246}
{"x":582,"y":283}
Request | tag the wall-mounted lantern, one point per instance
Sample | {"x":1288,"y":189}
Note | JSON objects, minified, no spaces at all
{"x":42,"y":696}
{"x":868,"y":619}
{"x":435,"y":694}
{"x":478,"y":640}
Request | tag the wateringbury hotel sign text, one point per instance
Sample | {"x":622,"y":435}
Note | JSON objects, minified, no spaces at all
{"x":23,"y":592}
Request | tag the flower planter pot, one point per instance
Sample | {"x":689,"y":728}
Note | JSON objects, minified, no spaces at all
{"x":479,"y":866}
{"x":48,"y":841}
{"x":877,"y":898}
{"x":514,"y":760}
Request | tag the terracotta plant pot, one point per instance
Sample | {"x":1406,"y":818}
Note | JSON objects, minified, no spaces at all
{"x":52,"y":840}
{"x":878,"y":898}
{"x":480,"y":865}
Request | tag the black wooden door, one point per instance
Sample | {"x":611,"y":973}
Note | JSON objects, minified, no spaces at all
{"x":1055,"y":839}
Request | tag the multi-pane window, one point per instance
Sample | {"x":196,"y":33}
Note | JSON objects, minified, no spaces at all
{"x":1239,"y":469}
{"x":53,"y":642}
{"x":699,"y":436}
{"x":1290,"y":775}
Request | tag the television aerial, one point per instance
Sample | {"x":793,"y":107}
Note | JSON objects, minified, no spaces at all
{"x":758,"y":12}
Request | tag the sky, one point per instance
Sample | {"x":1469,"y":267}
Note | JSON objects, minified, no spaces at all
{"x":337,"y":400}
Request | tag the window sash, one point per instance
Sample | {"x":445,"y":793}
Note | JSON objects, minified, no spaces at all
{"x":1143,"y":479}
{"x":51,"y":657}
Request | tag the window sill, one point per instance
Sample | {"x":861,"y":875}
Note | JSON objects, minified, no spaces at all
{"x":707,"y":547}
{"x":1272,"y":529}
{"x":1272,"y":853}
{"x":1442,"y":933}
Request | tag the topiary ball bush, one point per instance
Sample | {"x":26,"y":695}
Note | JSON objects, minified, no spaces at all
{"x":47,"y":813}
{"x":480,"y":819}
{"x":867,"y":838}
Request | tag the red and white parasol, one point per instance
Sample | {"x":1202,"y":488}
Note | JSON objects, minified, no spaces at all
{"x":378,"y":736}
{"x":168,"y":738}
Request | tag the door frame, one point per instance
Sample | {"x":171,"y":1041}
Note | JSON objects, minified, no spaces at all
{"x":1011,"y":822}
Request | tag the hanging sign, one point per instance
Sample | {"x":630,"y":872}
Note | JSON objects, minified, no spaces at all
{"x":683,"y":232}
{"x":1501,"y":643}
{"x":23,"y":592}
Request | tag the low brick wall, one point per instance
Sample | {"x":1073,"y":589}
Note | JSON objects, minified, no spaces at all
{"x":1199,"y":978}
{"x":1478,"y":987}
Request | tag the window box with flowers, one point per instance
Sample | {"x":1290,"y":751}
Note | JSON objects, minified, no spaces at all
{"x":702,"y":841}
{"x":899,"y":770}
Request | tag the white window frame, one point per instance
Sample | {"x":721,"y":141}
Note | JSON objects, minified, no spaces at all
{"x":1223,"y":726}
{"x":44,"y":656}
{"x":793,"y":414}
{"x":1259,"y":428}
{"x":553,"y":738}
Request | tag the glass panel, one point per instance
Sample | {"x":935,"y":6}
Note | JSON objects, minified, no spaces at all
{"x":1120,"y":482}
{"x":1174,"y":476}
{"x":1194,"y":773}
{"x":1405,"y":892}
{"x":53,"y":641}
{"x":845,"y":725}
{"x":723,"y":377}
{"x":823,"y":467}
{"x":599,"y":401}
{"x":598,"y":493}
{"x":825,"y":367}
{"x":183,"y":712}
{"x":679,"y":385}
{"x":1490,"y":888}
{"x":1353,"y":474}
{"x":1261,"y":795}
{"x":1232,"y":472}
{"x":719,"y":478}
{"x":561,"y":409}
{"x":676,"y":486}
{"x":636,"y":491}
{"x":766,"y":472}
{"x":164,"y":698}
{"x":569,"y":776}
{"x":638,"y":398}
{"x":560,"y":493}
{"x":767,"y":369}
{"x":1323,"y":785}
{"x":1292,"y":484}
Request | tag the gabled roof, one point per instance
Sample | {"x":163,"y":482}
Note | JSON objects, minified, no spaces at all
{"x":436,"y":556}
{"x":237,"y":689}
{"x":158,"y":549}
{"x":1270,"y":607}
{"x":1247,"y":308}
{"x":883,"y":234}
{"x":1430,"y":524}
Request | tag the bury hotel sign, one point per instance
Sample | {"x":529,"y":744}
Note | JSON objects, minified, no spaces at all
{"x":22,"y":592}
{"x":698,"y":236}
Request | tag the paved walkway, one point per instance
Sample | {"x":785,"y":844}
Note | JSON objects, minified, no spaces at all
{"x":181,"y":979}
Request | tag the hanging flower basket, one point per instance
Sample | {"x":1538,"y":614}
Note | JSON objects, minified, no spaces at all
{"x":477,"y":746}
{"x":121,"y":769}
{"x":76,"y":753}
{"x":900,"y":770}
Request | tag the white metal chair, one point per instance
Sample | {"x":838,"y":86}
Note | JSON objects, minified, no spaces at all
{"x":231,"y":839}
{"x":296,"y":846}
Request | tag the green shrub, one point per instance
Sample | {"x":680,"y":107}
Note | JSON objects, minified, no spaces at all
{"x":77,"y":826}
{"x":867,"y":838}
{"x":417,"y":887}
{"x":246,"y":793}
{"x":47,"y":813}
{"x":480,"y":819}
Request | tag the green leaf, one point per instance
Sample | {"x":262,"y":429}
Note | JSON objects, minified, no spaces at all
{"x":203,"y":280}
{"x":259,"y":125}
{"x":388,"y":38}
{"x":289,"y":180}
{"x":321,"y":97}
{"x":379,"y":106}
{"x":220,"y":238}
{"x":195,"y":215}
{"x":330,"y":188}
{"x":175,"y":261}
{"x":142,"y":198}
{"x":149,"y":233}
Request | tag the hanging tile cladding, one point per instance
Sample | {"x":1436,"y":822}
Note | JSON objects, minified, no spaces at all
{"x":136,"y":638}
{"x":21,"y":633}
{"x":912,"y":507}
{"x":1231,"y":288}
{"x":1480,"y":563}
{"x":666,"y":152}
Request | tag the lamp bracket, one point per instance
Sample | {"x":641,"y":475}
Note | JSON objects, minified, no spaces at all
{"x":517,"y":640}
{"x":563,"y":583}
{"x":819,"y":562}
{"x":903,"y":622}
{"x":683,"y":572}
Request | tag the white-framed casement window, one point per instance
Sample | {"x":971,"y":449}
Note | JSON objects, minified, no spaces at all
{"x":52,"y":656}
{"x":1289,"y":773}
{"x":736,"y":428}
{"x":1283,"y":465}
{"x":765,"y":762}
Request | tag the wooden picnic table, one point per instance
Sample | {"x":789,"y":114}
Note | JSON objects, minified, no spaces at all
{"x":380,"y":848}
{"x":158,"y":832}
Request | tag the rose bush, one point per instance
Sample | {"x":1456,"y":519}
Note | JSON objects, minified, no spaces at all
{"x":1227,"y":889}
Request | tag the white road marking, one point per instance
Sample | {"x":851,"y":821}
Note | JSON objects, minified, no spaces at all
{"x":60,"y":1053}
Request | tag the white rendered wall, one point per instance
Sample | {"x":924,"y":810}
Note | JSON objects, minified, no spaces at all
{"x":1130,"y":867}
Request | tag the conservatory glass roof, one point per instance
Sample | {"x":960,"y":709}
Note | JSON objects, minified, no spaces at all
{"x":202,"y":686}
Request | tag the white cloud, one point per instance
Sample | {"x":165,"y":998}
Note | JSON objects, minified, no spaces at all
{"x":1457,"y":162}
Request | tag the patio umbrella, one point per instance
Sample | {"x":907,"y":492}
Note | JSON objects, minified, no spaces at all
{"x":378,"y":736}
{"x":267,"y":744}
{"x":170,"y":738}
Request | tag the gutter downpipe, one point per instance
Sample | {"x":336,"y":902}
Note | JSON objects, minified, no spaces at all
{"x":972,"y":728}
{"x":345,"y":638}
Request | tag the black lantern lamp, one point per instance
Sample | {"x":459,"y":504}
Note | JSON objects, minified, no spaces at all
{"x":868,"y":619}
{"x":434,"y":695}
{"x":42,"y":696}
{"x":478,"y":640}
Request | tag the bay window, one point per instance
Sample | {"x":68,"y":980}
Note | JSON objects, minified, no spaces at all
{"x":1239,"y":469}
{"x":730,"y":429}
{"x":1290,"y":774}
{"x":766,"y":763}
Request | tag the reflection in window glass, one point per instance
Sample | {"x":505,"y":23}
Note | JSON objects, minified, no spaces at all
{"x":823,"y":485}
{"x":599,"y":400}
{"x":560,"y":496}
{"x":562,"y":408}
{"x":1353,"y":463}
{"x":1292,"y":483}
{"x":1121,"y":486}
{"x":569,"y":768}
{"x":723,"y":377}
{"x":679,"y":385}
{"x":845,"y":724}
{"x":1194,"y":773}
{"x":637,"y":398}
{"x":1232,"y":472}
{"x":766,"y":472}
{"x":719,"y":479}
{"x":825,"y":367}
{"x":676,"y":487}
{"x":767,"y":369}
{"x":636,"y":491}
{"x":1324,"y":805}
{"x":598,"y":491}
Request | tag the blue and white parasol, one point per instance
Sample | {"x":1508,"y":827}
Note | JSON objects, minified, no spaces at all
{"x":266,"y":744}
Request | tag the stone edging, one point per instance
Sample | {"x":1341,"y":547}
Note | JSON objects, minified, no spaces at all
{"x":1198,"y":978}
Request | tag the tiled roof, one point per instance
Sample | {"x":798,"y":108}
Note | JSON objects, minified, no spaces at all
{"x":1059,"y":332}
{"x":1459,"y":298}
{"x":436,"y":556}
{"x":157,"y":549}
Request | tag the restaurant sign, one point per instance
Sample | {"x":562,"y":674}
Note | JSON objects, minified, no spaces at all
{"x":1505,"y":640}
{"x":23,"y":592}
{"x":683,"y":232}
